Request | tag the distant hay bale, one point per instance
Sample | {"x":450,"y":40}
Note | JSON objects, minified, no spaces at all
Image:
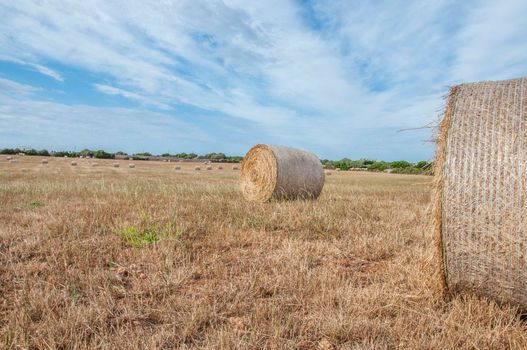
{"x":235,"y":167}
{"x":328,"y":173}
{"x":73,"y":163}
{"x":13,"y":161}
{"x":115,"y":165}
{"x":197,"y":168}
{"x":220,"y":167}
{"x":8,"y":157}
{"x":209,"y":168}
{"x":280,"y":172}
{"x":131,"y":165}
{"x":481,"y":191}
{"x":337,"y":170}
{"x":44,"y":161}
{"x":177,"y":167}
{"x":94,"y":164}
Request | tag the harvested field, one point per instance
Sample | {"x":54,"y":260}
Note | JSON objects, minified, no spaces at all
{"x":99,"y":257}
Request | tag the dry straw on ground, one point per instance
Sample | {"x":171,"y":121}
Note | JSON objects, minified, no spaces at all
{"x":280,"y":172}
{"x":481,"y":196}
{"x":351,"y":270}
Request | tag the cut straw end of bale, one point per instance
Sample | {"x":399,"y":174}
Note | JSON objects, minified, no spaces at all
{"x":279,"y":172}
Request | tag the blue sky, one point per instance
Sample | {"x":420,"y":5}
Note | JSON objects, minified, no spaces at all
{"x":340,"y":78}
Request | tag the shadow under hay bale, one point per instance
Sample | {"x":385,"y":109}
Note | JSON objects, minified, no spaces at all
{"x":279,"y":172}
{"x":481,"y":191}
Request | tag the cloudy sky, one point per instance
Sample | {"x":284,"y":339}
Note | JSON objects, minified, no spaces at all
{"x":340,"y":78}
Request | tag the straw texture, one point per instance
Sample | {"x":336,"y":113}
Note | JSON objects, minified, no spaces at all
{"x":481,"y":197}
{"x":279,"y":172}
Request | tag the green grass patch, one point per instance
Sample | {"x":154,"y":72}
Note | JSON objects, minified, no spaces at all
{"x":35,"y":205}
{"x":137,"y":237}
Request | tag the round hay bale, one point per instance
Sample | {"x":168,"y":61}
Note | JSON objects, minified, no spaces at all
{"x":328,"y":173}
{"x":338,"y":170}
{"x":280,"y":172}
{"x":94,"y":164}
{"x":13,"y":161}
{"x":197,"y":168}
{"x":8,"y":157}
{"x":44,"y":161}
{"x":177,"y":167}
{"x":209,"y":168}
{"x":73,"y":163}
{"x":481,"y":191}
{"x":115,"y":165}
{"x":220,"y":167}
{"x":131,"y":165}
{"x":235,"y":167}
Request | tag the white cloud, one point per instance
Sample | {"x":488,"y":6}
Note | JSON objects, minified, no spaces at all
{"x":12,"y":87}
{"x":338,"y":80}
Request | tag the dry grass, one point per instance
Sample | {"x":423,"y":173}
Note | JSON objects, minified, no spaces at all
{"x":148,"y":258}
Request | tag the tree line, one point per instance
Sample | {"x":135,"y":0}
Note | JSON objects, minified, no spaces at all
{"x":399,"y":166}
{"x":101,"y":154}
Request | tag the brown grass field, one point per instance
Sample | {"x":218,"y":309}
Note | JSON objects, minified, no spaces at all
{"x":351,"y":270}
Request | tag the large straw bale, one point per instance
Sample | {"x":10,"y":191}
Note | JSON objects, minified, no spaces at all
{"x":280,"y":172}
{"x":481,"y":191}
